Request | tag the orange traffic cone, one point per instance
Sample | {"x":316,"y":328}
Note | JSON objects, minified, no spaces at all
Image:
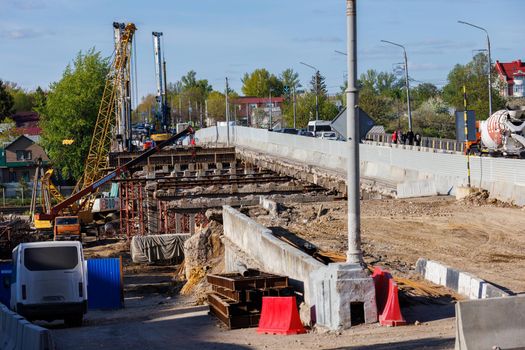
{"x":279,"y":315}
{"x":391,"y":315}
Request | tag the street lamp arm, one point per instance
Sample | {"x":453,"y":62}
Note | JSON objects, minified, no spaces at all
{"x":392,"y":43}
{"x":310,"y":66}
{"x":475,"y":26}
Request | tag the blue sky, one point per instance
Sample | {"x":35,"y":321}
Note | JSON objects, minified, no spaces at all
{"x":219,"y":38}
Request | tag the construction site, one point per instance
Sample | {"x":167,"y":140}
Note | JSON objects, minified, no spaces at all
{"x":196,"y":236}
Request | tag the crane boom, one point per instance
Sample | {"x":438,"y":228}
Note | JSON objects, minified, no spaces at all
{"x":95,"y":185}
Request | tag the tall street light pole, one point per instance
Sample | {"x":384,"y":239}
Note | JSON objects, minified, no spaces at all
{"x":316,"y":94}
{"x":354,"y":254}
{"x":227,"y":114}
{"x":490,"y":61}
{"x":407,"y":81}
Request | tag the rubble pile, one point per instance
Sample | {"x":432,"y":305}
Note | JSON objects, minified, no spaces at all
{"x":203,"y":254}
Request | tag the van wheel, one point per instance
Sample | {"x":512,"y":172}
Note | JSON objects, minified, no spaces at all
{"x":74,"y":320}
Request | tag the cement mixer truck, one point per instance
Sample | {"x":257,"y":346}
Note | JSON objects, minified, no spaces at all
{"x":503,"y":134}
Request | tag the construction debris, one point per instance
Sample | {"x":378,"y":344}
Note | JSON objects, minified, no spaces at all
{"x":236,"y":300}
{"x":203,"y":254}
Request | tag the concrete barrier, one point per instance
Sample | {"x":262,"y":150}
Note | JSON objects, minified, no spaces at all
{"x":463,"y":283}
{"x":501,"y":177}
{"x":16,"y":333}
{"x":265,"y":250}
{"x":490,"y":323}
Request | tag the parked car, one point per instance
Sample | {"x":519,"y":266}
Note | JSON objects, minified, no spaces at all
{"x":328,"y":135}
{"x":49,"y":281}
{"x":305,"y":133}
{"x":290,"y":131}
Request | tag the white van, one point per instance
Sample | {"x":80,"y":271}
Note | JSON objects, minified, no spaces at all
{"x":318,"y":126}
{"x":49,"y":281}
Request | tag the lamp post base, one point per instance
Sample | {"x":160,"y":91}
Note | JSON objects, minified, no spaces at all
{"x":344,"y":295}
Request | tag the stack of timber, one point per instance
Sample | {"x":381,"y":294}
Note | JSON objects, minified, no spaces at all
{"x":236,"y":299}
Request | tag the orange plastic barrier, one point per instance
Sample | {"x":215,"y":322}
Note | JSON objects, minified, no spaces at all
{"x":391,"y":315}
{"x":381,"y":279}
{"x":279,"y":315}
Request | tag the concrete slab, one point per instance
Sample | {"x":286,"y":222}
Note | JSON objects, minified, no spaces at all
{"x":490,"y":323}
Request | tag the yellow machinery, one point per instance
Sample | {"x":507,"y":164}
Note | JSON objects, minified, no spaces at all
{"x":160,"y":137}
{"x":97,"y":159}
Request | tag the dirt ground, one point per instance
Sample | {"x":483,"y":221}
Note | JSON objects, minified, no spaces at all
{"x":487,"y":240}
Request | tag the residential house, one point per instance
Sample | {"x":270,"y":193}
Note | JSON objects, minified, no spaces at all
{"x":18,"y":159}
{"x":512,"y":77}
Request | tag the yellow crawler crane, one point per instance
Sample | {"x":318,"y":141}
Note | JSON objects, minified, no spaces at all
{"x":97,"y":159}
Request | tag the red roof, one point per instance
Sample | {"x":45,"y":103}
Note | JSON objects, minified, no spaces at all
{"x":26,"y":119}
{"x":510,"y":70}
{"x":258,"y":100}
{"x":30,"y":131}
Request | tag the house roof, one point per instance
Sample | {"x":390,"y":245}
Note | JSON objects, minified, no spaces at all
{"x":258,"y":100}
{"x":9,"y":144}
{"x":510,"y":70}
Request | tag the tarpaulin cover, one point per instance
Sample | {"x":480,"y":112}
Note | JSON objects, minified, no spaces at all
{"x":157,"y":247}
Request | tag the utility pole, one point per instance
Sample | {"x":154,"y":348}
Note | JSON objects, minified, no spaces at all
{"x":465,"y":118}
{"x":354,"y":254}
{"x":489,"y":58}
{"x":407,"y":83}
{"x":270,"y":126}
{"x":227,"y":114}
{"x":294,"y":109}
{"x":206,"y":112}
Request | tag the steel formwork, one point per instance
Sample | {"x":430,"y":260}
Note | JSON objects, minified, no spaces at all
{"x":134,"y":216}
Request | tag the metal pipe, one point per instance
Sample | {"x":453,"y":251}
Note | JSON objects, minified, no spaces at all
{"x":354,"y":254}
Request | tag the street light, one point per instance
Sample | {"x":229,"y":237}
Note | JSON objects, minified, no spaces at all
{"x":341,"y":52}
{"x":490,"y":61}
{"x":316,"y":94}
{"x":406,"y":80}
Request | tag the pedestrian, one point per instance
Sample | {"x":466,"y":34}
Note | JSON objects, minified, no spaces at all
{"x":403,"y":139}
{"x":410,"y":137}
{"x":417,"y":139}
{"x":399,"y":136}
{"x":394,"y":136}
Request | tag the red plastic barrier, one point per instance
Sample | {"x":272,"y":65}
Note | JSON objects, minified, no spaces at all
{"x":279,"y":315}
{"x":381,"y":279}
{"x":391,"y":315}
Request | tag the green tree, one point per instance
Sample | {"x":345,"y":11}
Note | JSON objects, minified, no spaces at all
{"x":306,"y":110}
{"x":216,"y":107}
{"x":290,"y":78}
{"x":71,"y":111}
{"x":22,"y":100}
{"x":39,"y":98}
{"x":473,"y":75}
{"x":259,"y":82}
{"x":318,"y":84}
{"x":6,"y":101}
{"x":9,"y":130}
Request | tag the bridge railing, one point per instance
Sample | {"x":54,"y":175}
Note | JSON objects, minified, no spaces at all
{"x":447,"y":145}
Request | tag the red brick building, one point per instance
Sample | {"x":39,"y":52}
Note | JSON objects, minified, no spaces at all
{"x":245,"y":107}
{"x":512,"y":76}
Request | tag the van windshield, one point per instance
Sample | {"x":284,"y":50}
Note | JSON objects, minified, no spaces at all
{"x":320,"y":128}
{"x":66,"y":221}
{"x":51,"y":258}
